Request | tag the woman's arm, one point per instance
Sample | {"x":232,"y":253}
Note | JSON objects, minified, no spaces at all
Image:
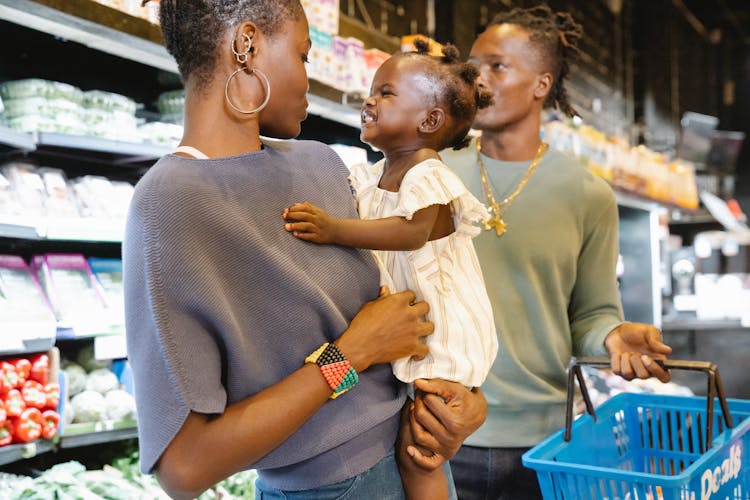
{"x":206,"y":450}
{"x":391,"y":233}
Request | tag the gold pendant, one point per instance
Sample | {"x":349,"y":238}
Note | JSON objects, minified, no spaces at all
{"x":497,"y":224}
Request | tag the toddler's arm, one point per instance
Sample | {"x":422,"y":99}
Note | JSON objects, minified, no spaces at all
{"x":312,"y":223}
{"x":427,"y":483}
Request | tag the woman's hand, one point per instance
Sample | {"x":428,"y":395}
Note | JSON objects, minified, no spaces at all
{"x":386,"y":329}
{"x":443,"y":416}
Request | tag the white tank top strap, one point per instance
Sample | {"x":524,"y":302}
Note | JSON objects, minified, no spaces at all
{"x":189,"y":150}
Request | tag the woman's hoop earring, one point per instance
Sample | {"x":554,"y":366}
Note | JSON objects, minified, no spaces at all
{"x":264,"y":83}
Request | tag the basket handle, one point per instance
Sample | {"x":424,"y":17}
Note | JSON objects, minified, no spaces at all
{"x":715,"y":389}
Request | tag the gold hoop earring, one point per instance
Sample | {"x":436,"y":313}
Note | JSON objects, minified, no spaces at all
{"x":264,"y":83}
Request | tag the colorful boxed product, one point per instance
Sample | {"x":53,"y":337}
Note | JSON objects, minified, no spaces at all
{"x":321,"y":57}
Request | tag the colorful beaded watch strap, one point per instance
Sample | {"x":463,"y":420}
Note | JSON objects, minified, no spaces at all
{"x":335,"y":368}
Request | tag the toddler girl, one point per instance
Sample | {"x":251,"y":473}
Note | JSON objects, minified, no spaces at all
{"x":415,"y":213}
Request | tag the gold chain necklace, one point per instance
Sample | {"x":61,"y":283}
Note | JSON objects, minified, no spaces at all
{"x":496,"y":221}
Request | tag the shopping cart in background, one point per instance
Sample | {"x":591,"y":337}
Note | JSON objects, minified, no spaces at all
{"x":648,"y":446}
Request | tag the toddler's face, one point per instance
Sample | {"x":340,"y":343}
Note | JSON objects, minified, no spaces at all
{"x":400,"y":97}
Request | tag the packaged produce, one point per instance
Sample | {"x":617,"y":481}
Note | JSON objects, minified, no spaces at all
{"x":109,"y":101}
{"x":9,"y":203}
{"x":17,"y":89}
{"x":24,"y":310}
{"x":28,"y":186}
{"x":59,"y":197}
{"x":162,"y":133}
{"x":171,"y":102}
{"x":108,"y":273}
{"x":71,"y":289}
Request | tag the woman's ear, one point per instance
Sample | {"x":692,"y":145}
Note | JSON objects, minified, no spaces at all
{"x":543,"y":85}
{"x":244,"y":42}
{"x":433,"y":121}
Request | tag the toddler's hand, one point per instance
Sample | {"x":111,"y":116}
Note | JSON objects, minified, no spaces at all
{"x":310,"y":223}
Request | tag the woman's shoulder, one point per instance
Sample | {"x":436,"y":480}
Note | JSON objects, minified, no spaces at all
{"x":314,"y":157}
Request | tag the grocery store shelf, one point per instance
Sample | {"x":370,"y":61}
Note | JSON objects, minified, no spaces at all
{"x":108,"y":30}
{"x":14,"y":452}
{"x":26,"y":346}
{"x":60,"y":229}
{"x":15,"y":141}
{"x":22,"y":227}
{"x":85,"y":229}
{"x":98,"y":437}
{"x":98,"y":149}
{"x":94,"y":25}
{"x":694,"y":324}
{"x":633,"y":201}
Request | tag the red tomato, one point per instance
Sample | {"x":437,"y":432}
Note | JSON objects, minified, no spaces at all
{"x":3,"y":414}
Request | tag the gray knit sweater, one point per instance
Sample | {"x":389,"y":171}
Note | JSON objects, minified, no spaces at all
{"x":221,"y":302}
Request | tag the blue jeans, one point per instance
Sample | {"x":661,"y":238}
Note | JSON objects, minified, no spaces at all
{"x":382,"y":482}
{"x":493,"y":474}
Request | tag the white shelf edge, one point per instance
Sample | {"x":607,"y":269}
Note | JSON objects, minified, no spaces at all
{"x":18,"y":140}
{"x":330,"y":110}
{"x":100,"y":144}
{"x":627,"y":200}
{"x":83,"y":229}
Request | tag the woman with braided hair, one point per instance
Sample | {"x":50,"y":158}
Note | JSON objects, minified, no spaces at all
{"x":252,"y":348}
{"x":548,"y":254}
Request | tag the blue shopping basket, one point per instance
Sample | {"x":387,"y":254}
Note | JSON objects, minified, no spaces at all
{"x":648,"y":447}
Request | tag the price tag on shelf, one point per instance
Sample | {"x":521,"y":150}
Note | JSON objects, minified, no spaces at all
{"x":110,"y":347}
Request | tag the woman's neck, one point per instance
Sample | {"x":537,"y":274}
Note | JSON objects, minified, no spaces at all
{"x":212,"y":131}
{"x":397,"y":163}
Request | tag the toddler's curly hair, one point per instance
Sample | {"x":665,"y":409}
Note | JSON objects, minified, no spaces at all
{"x":457,"y":87}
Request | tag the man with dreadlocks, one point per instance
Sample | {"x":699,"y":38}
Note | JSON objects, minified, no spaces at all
{"x":548,"y":254}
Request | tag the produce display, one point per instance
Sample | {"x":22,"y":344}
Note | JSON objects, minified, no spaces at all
{"x":29,"y":400}
{"x":120,"y":481}
{"x":28,"y":190}
{"x":37,"y":105}
{"x":95,"y":395}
